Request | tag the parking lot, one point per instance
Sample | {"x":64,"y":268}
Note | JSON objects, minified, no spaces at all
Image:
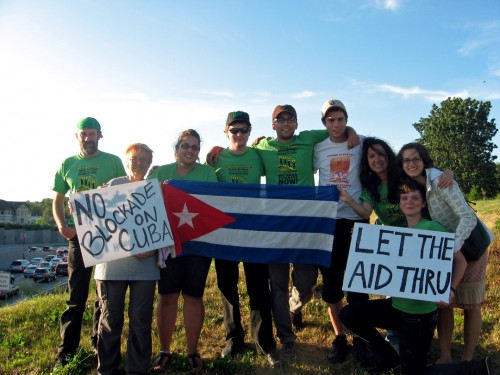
{"x":27,"y":286}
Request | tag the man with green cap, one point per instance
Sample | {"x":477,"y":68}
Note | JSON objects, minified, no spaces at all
{"x":85,"y":171}
{"x":241,"y":164}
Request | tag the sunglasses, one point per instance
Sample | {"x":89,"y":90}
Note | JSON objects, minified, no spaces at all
{"x":239,"y":130}
{"x":187,"y":146}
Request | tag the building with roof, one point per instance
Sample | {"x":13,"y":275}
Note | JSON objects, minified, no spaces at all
{"x":15,"y":212}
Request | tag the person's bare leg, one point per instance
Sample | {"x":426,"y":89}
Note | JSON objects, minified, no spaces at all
{"x":445,"y":333}
{"x":334,"y":313}
{"x":166,"y":315}
{"x":194,"y":313}
{"x":472,"y":330}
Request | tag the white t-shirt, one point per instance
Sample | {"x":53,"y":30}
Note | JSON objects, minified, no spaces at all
{"x":339,"y":166}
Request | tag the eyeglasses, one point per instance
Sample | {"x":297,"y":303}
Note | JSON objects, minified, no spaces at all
{"x":282,"y":120}
{"x":187,"y":146}
{"x":239,"y":130}
{"x":135,"y":159}
{"x":415,"y":160}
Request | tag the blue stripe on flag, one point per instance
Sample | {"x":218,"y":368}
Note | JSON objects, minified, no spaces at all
{"x":278,"y":223}
{"x":268,"y":191}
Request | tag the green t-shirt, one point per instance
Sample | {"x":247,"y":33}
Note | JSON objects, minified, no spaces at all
{"x":239,"y":168}
{"x":387,"y":213}
{"x":413,"y":306}
{"x":200,"y":172}
{"x":79,"y":174}
{"x":290,"y":163}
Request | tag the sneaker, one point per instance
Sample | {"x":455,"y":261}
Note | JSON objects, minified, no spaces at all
{"x":393,"y":338}
{"x":232,"y":349}
{"x":272,"y":359}
{"x":297,"y":321}
{"x":338,"y":352}
{"x":364,"y":356}
{"x":288,"y":351}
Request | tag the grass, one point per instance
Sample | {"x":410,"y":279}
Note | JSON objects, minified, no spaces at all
{"x":29,"y":331}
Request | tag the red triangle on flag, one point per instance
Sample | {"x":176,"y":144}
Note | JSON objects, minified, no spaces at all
{"x":189,"y":217}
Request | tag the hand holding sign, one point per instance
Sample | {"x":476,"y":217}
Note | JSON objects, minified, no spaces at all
{"x":400,"y":262}
{"x":120,"y":221}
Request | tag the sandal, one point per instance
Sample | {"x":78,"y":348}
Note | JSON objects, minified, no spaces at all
{"x":195,"y":362}
{"x":161,"y":361}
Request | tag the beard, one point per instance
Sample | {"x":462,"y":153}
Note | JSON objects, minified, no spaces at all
{"x":89,"y":148}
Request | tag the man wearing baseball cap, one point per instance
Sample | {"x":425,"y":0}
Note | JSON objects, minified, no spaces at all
{"x":288,"y":160}
{"x":241,"y":164}
{"x":87,"y":170}
{"x":338,"y":165}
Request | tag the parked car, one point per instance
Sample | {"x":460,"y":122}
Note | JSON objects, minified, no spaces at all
{"x":44,"y":273}
{"x":28,"y":271}
{"x":47,"y":248}
{"x":62,"y":250}
{"x":36,"y":261}
{"x":55,"y":261}
{"x":34,"y":249}
{"x":44,"y":265}
{"x":62,"y":269}
{"x":19,"y":265}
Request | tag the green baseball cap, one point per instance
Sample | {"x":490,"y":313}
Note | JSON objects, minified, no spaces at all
{"x":88,"y":123}
{"x":238,"y":116}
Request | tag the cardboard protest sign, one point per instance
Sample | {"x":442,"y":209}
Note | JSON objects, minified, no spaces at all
{"x":400,"y":262}
{"x":120,"y":221}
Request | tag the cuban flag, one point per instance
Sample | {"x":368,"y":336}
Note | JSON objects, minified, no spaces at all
{"x":252,"y":222}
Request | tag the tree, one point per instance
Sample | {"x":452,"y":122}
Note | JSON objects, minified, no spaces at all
{"x":459,"y":137}
{"x":43,"y":209}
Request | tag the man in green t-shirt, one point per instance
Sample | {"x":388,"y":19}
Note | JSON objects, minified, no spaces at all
{"x":288,"y":160}
{"x":87,"y":170}
{"x":241,"y":164}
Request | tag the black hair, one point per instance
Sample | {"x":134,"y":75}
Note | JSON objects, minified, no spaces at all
{"x":422,"y":151}
{"x":370,"y":180}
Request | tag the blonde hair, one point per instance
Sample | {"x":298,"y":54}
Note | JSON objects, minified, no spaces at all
{"x":136,"y":148}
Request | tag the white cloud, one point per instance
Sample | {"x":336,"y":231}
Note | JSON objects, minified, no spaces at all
{"x":304,"y":94}
{"x":495,"y":72}
{"x":227,"y":94}
{"x":415,"y":91}
{"x":483,"y":35}
{"x":392,"y":5}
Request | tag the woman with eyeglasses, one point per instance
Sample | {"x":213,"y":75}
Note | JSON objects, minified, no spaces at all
{"x":449,"y":207}
{"x":188,"y":273}
{"x":380,"y":178}
{"x":415,"y":320}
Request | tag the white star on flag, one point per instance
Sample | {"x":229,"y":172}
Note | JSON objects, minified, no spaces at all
{"x":185,"y":217}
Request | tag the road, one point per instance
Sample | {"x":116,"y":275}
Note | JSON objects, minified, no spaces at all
{"x":27,"y":287}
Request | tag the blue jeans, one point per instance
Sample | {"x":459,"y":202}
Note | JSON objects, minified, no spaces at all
{"x":415,"y":332}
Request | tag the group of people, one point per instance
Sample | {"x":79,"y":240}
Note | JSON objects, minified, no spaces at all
{"x":402,"y":189}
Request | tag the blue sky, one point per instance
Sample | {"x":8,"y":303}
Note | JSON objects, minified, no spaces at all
{"x":149,"y":69}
